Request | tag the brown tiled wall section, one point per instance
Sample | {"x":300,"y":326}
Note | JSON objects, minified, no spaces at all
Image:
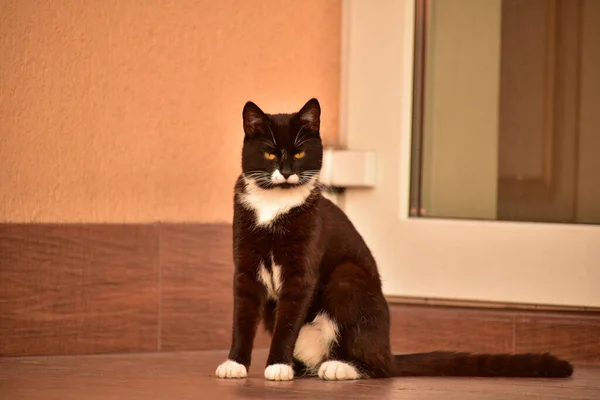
{"x":94,"y":288}
{"x":71,"y":289}
{"x":196,"y":293}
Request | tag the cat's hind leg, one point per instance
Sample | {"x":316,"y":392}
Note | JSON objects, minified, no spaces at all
{"x":315,"y":342}
{"x":353,"y":300}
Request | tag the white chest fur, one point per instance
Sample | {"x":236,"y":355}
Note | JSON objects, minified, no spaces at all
{"x":271,"y":203}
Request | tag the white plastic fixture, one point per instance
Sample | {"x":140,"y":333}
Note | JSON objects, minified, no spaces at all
{"x":348,"y":168}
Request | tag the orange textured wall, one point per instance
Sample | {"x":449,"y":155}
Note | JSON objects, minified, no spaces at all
{"x":130,"y":111}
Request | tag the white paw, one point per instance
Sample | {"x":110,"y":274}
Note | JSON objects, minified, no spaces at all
{"x":231,"y":369}
{"x":337,"y":371}
{"x":279,"y":372}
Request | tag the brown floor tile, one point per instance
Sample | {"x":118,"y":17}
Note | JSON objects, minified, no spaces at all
{"x":72,"y":289}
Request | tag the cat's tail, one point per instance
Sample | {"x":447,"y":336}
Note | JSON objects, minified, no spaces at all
{"x":442,"y":363}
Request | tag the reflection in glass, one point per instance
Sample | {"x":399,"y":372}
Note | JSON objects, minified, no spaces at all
{"x":507,"y":110}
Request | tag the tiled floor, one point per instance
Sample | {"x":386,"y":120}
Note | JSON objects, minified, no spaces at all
{"x":189,"y":375}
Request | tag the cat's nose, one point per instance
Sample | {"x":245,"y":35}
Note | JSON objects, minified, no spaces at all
{"x":286,"y":172}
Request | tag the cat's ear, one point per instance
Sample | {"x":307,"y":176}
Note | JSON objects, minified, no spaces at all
{"x":310,"y":115}
{"x":254,"y":119}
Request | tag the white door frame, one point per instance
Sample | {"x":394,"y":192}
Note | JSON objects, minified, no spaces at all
{"x":529,"y":263}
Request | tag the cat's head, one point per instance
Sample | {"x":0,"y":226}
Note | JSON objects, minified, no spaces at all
{"x":282,"y":150}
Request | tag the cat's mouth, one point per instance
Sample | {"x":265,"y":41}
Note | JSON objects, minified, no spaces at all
{"x":286,"y":185}
{"x":267,"y":183}
{"x":276,"y":180}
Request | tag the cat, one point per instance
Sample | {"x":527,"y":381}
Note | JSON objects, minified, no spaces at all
{"x":302,"y":269}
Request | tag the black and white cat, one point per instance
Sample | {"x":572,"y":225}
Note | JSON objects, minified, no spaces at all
{"x":303,"y":269}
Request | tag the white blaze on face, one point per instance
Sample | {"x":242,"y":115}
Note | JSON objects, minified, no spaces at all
{"x":277,"y":178}
{"x":293,"y":179}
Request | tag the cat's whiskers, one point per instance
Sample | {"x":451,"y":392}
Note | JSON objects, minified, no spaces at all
{"x":301,"y":143}
{"x":254,"y":171}
{"x":298,"y":137}
{"x":261,"y":178}
{"x":311,"y":171}
{"x":273,"y":136}
{"x":310,"y":175}
{"x":307,"y":175}
{"x":268,"y":144}
{"x":258,"y":173}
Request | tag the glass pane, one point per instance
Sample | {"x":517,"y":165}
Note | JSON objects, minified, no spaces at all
{"x":507,"y":110}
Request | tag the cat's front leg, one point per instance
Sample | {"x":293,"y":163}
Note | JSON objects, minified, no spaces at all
{"x":249,"y":296}
{"x":290,"y":315}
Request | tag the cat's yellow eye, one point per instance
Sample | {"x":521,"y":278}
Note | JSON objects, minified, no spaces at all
{"x":269,"y":156}
{"x":298,"y":156}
